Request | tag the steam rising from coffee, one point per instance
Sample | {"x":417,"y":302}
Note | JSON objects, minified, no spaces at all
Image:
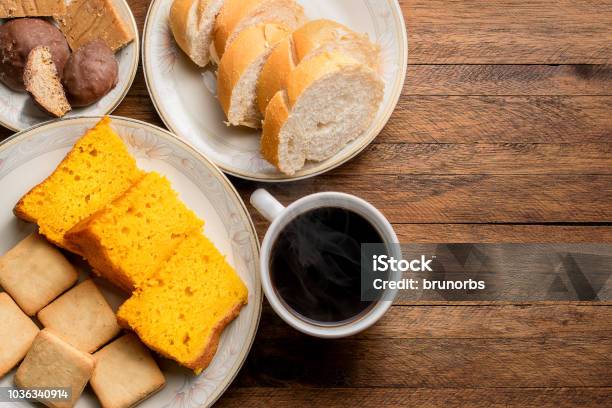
{"x":315,"y":264}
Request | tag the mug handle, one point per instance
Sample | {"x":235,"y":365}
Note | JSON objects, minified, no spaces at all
{"x":266,"y":204}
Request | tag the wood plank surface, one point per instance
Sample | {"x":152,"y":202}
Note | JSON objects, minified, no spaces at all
{"x":488,"y":233}
{"x":486,"y":321}
{"x":482,"y":158}
{"x":485,"y":233}
{"x":430,"y":363}
{"x":503,"y":133}
{"x":256,"y":397}
{"x":500,"y":119}
{"x":467,"y":199}
{"x":508,"y":31}
{"x":504,"y":80}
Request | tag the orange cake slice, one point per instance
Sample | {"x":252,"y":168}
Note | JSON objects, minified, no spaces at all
{"x":130,"y":238}
{"x":97,"y":170}
{"x":182,"y":311}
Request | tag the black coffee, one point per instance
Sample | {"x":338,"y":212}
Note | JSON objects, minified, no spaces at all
{"x":315,"y":264}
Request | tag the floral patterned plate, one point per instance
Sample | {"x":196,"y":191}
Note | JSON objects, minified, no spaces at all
{"x":185,"y":96}
{"x":18,"y":111}
{"x":30,"y":156}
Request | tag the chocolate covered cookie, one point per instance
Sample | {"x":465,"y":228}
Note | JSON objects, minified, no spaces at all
{"x":18,"y":37}
{"x":90,"y":73}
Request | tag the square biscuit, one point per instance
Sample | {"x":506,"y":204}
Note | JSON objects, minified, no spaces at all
{"x":17,"y":331}
{"x":125,"y":373}
{"x":34,"y":273}
{"x":53,"y":363}
{"x":82,"y":317}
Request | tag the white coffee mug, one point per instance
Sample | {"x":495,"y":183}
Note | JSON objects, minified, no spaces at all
{"x":280,"y":216}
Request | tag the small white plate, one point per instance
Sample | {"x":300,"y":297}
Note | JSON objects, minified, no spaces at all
{"x":30,"y":156}
{"x":185,"y":96}
{"x":18,"y":111}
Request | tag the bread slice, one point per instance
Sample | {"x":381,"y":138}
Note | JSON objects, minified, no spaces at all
{"x":192,"y":23}
{"x":127,"y":240}
{"x":330,"y":100}
{"x":97,"y":170}
{"x":182,"y":311}
{"x":313,"y":38}
{"x":38,"y":8}
{"x":237,"y":15}
{"x":43,"y":82}
{"x":239,"y":72}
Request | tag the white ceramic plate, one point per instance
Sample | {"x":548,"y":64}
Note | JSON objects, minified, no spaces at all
{"x":185,"y":96}
{"x":30,"y":156}
{"x":18,"y":111}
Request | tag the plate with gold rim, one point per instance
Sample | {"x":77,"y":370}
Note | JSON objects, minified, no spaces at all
{"x":18,"y":111}
{"x":30,"y":156}
{"x":185,"y":95}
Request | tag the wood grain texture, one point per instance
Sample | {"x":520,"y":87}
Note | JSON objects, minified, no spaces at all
{"x":467,"y":199}
{"x":509,"y":31}
{"x":430,"y":363}
{"x":490,"y":321}
{"x":487,"y":233}
{"x":255,"y":397}
{"x":489,"y":143}
{"x":500,"y":119}
{"x":505,"y":80}
{"x":482,"y":158}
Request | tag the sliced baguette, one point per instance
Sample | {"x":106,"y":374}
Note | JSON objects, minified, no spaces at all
{"x":313,"y":38}
{"x":237,"y":15}
{"x":192,"y":23}
{"x":42,"y":81}
{"x":330,"y":100}
{"x":239,"y":71}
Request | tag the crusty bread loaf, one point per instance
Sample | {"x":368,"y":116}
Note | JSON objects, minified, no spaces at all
{"x":237,"y":15}
{"x":311,"y":39}
{"x":239,"y":71}
{"x":192,"y":23}
{"x":39,"y":8}
{"x":330,"y":100}
{"x":43,"y":82}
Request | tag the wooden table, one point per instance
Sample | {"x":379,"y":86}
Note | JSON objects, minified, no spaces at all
{"x":503,"y":134}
